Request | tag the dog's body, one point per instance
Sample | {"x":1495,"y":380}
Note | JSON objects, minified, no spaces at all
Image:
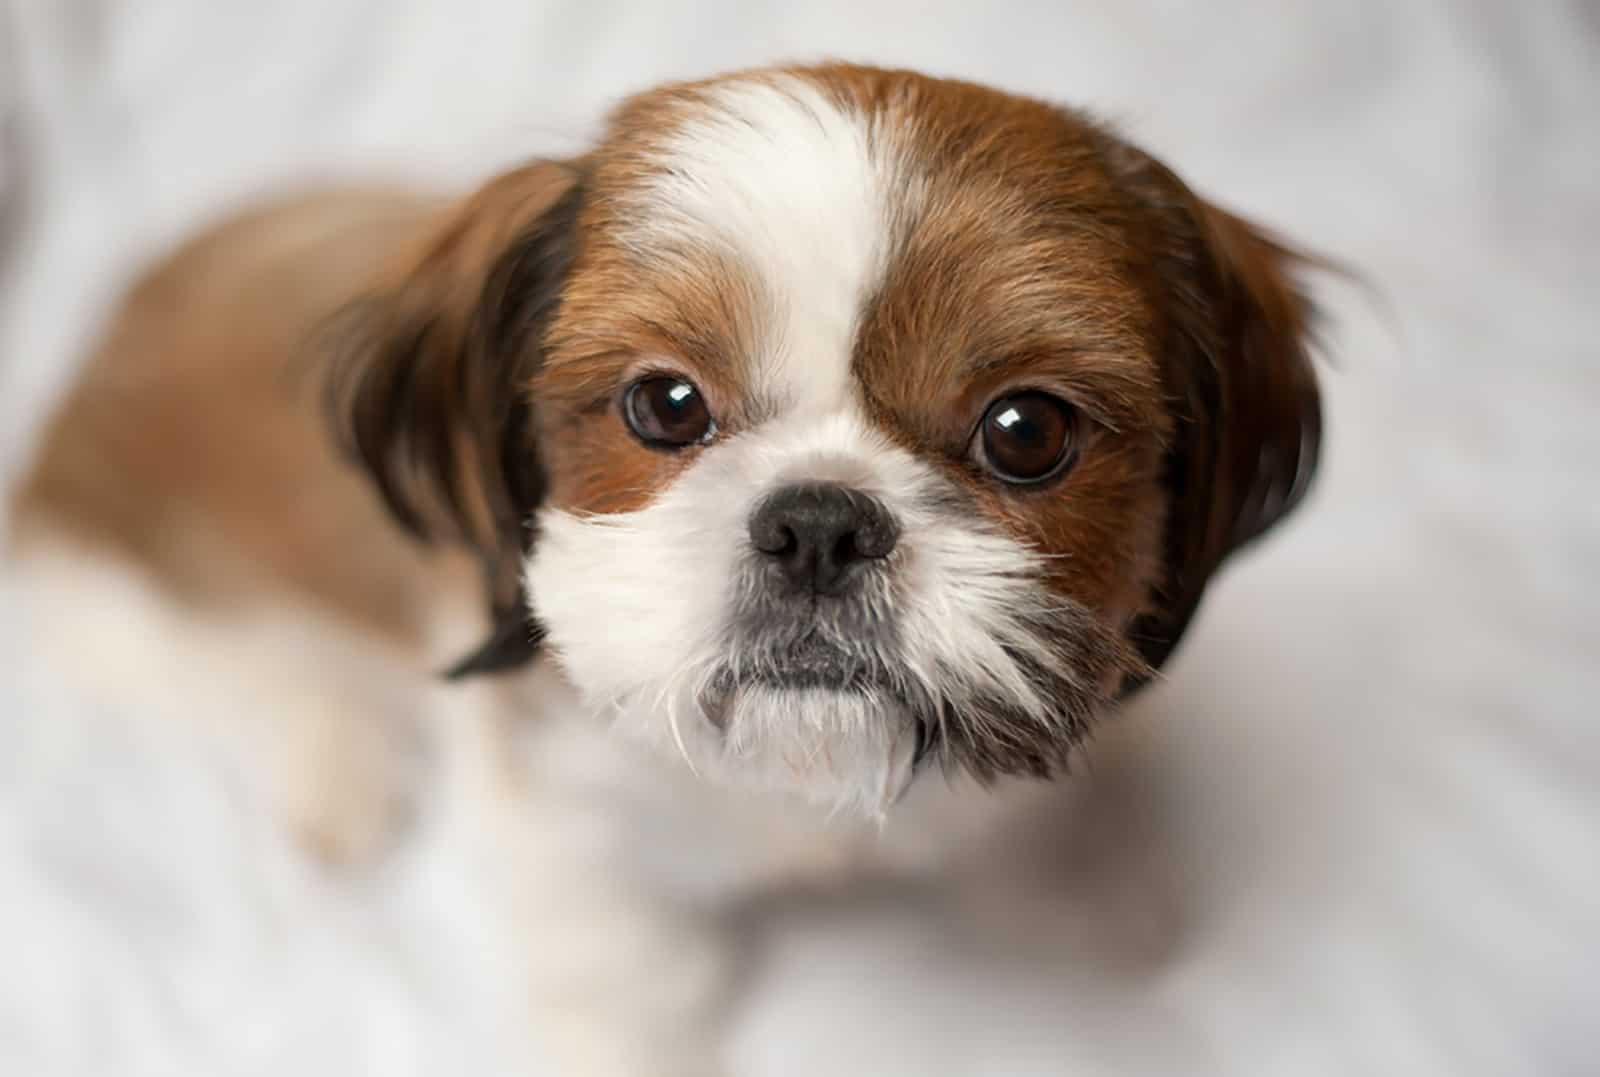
{"x":196,"y":447}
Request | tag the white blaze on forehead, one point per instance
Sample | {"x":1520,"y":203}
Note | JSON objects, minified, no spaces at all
{"x":801,"y":192}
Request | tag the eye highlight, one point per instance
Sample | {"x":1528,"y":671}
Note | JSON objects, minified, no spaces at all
{"x":1027,"y":437}
{"x":667,"y":412}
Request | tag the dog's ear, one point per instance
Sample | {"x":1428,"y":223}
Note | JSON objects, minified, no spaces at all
{"x":1237,"y":369}
{"x":431,"y":375}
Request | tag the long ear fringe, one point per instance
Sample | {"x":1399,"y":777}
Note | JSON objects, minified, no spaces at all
{"x":1238,"y":368}
{"x":428,"y":385}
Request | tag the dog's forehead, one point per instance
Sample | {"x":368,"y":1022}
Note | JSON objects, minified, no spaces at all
{"x":799,"y":191}
{"x":813,"y":193}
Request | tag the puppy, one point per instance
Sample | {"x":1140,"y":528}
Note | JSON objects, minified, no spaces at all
{"x":820,"y":429}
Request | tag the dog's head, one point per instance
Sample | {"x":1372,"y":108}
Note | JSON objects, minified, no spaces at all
{"x":827,"y":420}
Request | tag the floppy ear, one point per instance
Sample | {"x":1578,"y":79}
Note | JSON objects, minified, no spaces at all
{"x":431,"y":377}
{"x":1237,"y":368}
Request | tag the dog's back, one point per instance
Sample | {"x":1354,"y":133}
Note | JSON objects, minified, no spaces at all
{"x":194,"y":443}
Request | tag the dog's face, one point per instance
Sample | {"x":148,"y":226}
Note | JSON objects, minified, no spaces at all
{"x":830,"y":420}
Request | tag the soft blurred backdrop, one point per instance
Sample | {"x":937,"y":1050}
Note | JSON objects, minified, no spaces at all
{"x":1357,"y":830}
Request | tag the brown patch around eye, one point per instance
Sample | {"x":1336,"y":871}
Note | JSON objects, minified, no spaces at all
{"x":1099,"y":528}
{"x":598,"y":467}
{"x":608,"y":451}
{"x":624,"y":307}
{"x":614,"y":435}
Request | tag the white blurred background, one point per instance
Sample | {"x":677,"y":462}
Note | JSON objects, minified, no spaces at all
{"x":1357,"y":830}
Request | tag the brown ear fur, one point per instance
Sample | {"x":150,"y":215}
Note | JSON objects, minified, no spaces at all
{"x":1237,"y":366}
{"x":430,"y":383}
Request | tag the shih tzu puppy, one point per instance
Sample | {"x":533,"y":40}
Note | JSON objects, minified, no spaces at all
{"x":828,"y":427}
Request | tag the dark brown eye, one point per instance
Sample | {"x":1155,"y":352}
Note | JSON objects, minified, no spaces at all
{"x":667,"y":412}
{"x":1027,"y":437}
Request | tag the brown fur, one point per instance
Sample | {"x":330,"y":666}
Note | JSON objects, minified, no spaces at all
{"x":194,"y":445}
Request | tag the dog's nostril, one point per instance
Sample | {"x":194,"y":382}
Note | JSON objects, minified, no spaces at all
{"x":846,"y":549}
{"x":818,"y":532}
{"x":772,"y":536}
{"x":875,"y":538}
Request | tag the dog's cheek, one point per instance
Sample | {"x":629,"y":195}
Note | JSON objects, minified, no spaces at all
{"x":1097,"y":532}
{"x":600,"y":587}
{"x":633,"y":600}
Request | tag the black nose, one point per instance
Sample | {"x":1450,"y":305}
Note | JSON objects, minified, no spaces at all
{"x":819,"y":532}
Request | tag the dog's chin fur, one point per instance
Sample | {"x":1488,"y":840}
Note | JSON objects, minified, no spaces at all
{"x":956,"y":648}
{"x":847,"y":751}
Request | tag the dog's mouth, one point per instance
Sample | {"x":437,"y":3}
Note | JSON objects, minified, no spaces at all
{"x":812,"y":665}
{"x":809,"y":662}
{"x":813,"y":662}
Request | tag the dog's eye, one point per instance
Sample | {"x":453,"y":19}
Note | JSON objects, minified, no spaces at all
{"x":1027,"y":437}
{"x":667,"y":412}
